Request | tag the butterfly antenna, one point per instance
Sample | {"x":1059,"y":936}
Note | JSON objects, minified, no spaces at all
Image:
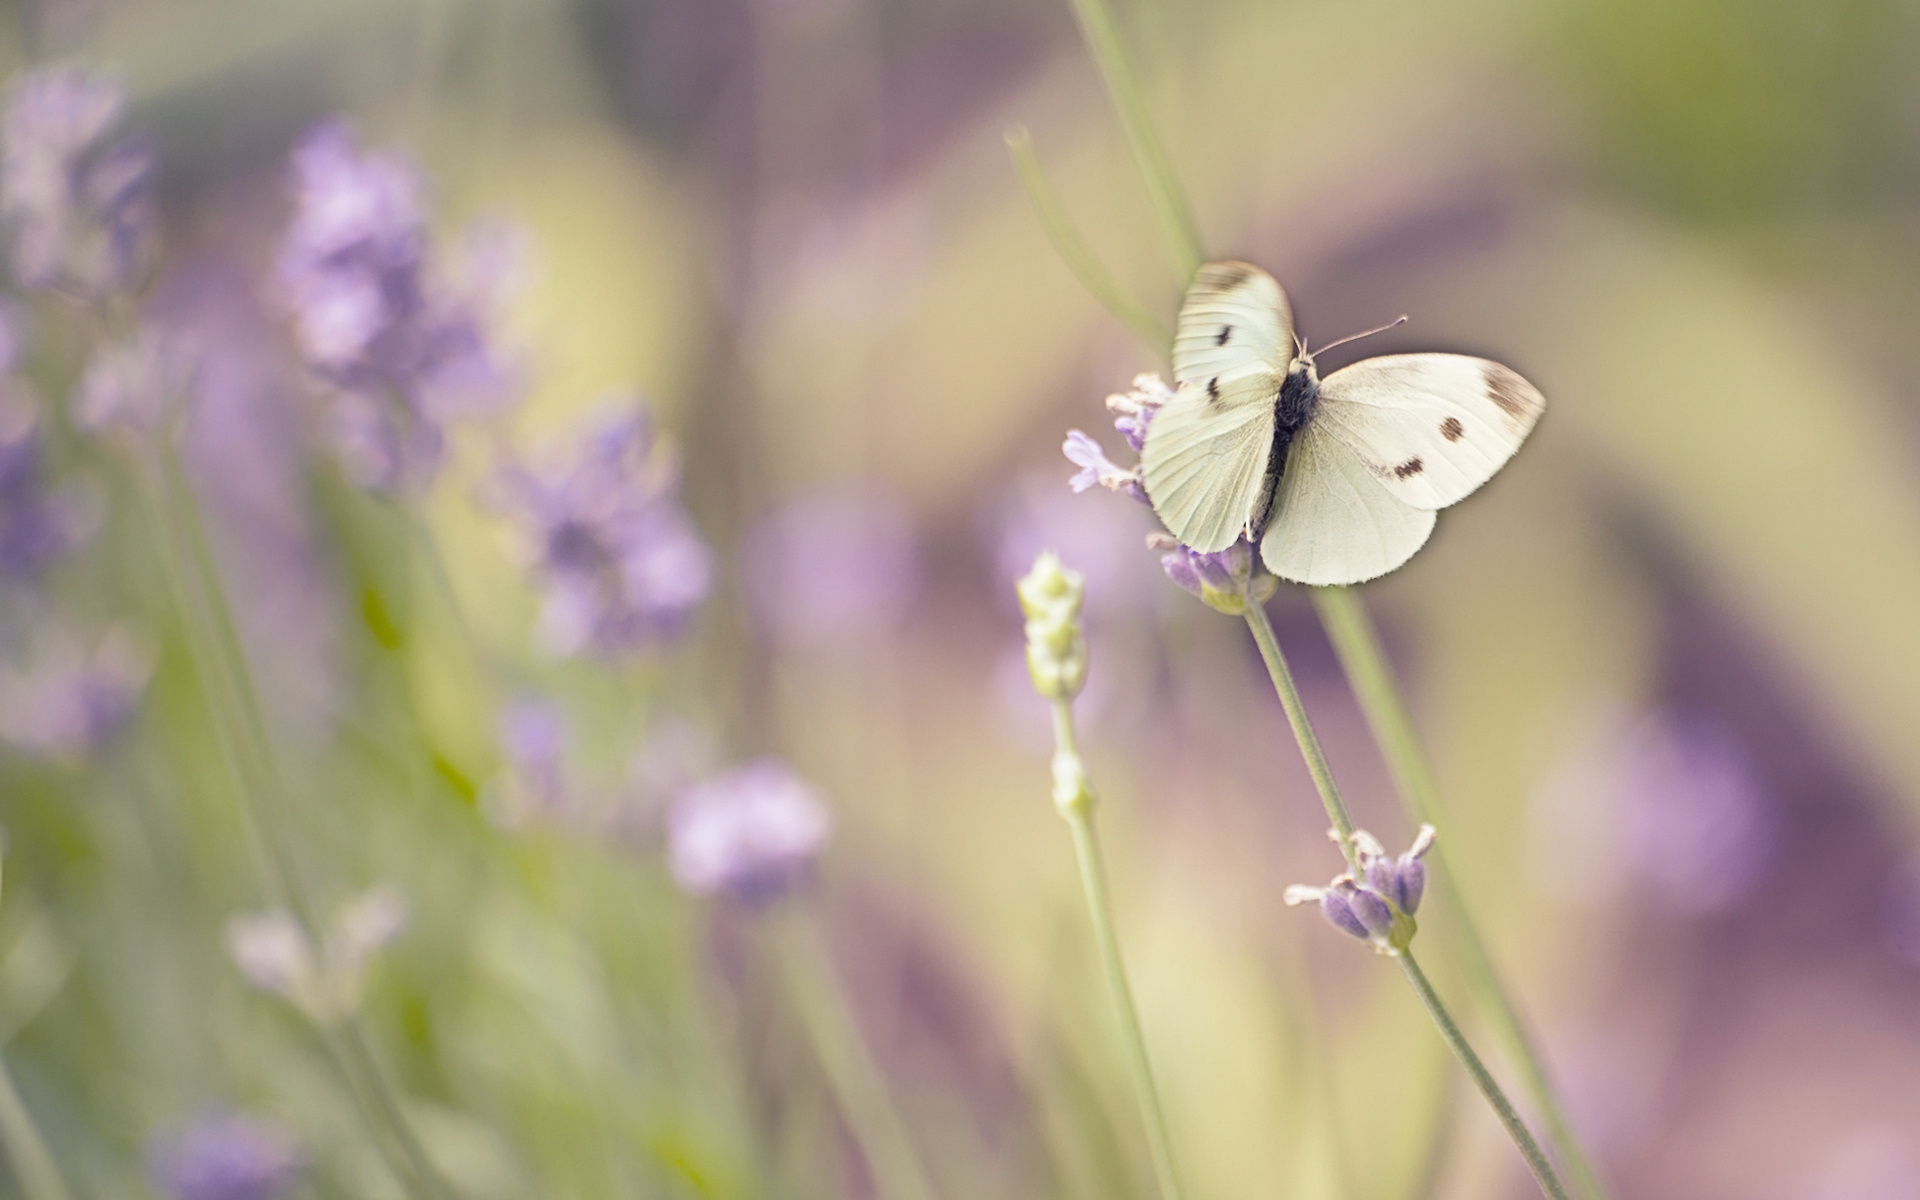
{"x":1354,"y":337}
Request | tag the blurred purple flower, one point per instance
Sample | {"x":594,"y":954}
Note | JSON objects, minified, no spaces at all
{"x":225,"y":1156}
{"x":40,"y":520}
{"x":401,"y":343}
{"x":533,"y":787}
{"x":134,"y":386}
{"x":831,"y":565}
{"x":751,"y":833}
{"x":76,"y":205}
{"x":69,"y":702}
{"x":1668,"y":804}
{"x":1900,"y":908}
{"x":621,"y":563}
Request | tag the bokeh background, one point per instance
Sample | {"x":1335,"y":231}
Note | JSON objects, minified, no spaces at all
{"x":1666,"y":662}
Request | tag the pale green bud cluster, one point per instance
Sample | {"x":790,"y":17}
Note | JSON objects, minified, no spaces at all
{"x":1051,"y":595}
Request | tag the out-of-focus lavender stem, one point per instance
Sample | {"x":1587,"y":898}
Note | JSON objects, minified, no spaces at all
{"x":1072,"y":248}
{"x":221,"y":659}
{"x":1074,"y":798}
{"x":27,"y":1153}
{"x":1357,"y":645}
{"x":1169,"y":204}
{"x":858,"y":1086}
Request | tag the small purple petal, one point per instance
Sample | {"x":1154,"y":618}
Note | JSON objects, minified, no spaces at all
{"x":1410,"y":884}
{"x":1338,"y":908}
{"x":1179,"y":568}
{"x":1372,"y":911}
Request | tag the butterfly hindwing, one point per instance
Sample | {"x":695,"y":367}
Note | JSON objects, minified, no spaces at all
{"x":1430,"y":427}
{"x":1334,"y":521}
{"x":1206,"y":456}
{"x":1235,"y":319}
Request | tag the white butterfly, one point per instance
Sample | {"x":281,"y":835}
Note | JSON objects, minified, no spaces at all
{"x":1336,"y":479}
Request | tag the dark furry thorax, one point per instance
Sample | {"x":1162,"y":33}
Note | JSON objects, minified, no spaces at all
{"x":1293,"y":408}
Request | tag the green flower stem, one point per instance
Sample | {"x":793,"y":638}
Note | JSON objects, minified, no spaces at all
{"x":248,"y":749}
{"x":1073,"y":249}
{"x":1358,"y":646}
{"x":1073,"y":795}
{"x":1169,"y":206}
{"x":858,"y":1087}
{"x":1302,"y":729}
{"x":27,"y":1153}
{"x":1337,"y":813}
{"x":1516,"y":1128}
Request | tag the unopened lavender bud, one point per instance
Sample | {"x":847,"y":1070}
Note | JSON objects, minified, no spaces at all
{"x":1051,"y":596}
{"x":1337,"y":907}
{"x":1226,"y":580}
{"x":1180,"y":568}
{"x":1410,"y":884}
{"x":1371,"y":908}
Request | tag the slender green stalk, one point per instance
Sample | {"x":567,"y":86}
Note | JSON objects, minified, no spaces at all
{"x":27,"y":1153}
{"x":1074,"y":797}
{"x":855,"y":1077}
{"x":241,"y":729}
{"x":1358,"y":646}
{"x":352,"y":1044}
{"x":1302,"y":729}
{"x":1169,"y":205}
{"x":1502,"y":1107}
{"x":1337,"y":813}
{"x":1073,"y":249}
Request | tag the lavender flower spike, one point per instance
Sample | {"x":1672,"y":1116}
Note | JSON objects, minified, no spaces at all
{"x":226,"y":1157}
{"x":751,"y":834}
{"x":1379,"y":906}
{"x":76,"y":205}
{"x":399,"y":343}
{"x":622,"y":566}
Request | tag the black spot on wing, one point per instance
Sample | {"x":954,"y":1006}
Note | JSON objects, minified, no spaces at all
{"x":1452,"y":430}
{"x":1512,"y":394}
{"x":1213,"y":388}
{"x":1409,"y":469}
{"x":1226,"y":331}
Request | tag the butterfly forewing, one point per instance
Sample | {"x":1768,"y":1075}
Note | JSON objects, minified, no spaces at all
{"x":1235,"y":319}
{"x":1430,"y":427}
{"x":1333,"y":521}
{"x":1205,"y":459}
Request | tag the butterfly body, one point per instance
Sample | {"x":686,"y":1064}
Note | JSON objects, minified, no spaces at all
{"x":1336,"y":480}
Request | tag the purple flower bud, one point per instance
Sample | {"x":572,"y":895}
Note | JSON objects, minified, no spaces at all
{"x":1338,"y":908}
{"x":1180,"y":568}
{"x":1410,"y":883}
{"x":225,"y":1157}
{"x":751,"y":833}
{"x":1371,"y":908}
